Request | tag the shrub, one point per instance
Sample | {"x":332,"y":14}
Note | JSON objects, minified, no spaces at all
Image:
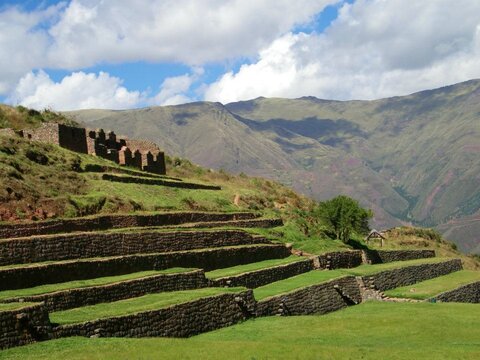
{"x":344,"y":216}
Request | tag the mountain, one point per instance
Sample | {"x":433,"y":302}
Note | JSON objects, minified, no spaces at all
{"x":412,"y":159}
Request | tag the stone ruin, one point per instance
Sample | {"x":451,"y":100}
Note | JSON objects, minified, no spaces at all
{"x":142,"y":154}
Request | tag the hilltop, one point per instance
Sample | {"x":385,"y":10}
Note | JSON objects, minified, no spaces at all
{"x":412,"y":159}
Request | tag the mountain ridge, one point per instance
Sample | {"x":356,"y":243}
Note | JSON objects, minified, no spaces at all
{"x":412,"y":159}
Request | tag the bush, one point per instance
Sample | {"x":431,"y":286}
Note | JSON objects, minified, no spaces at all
{"x":344,"y":216}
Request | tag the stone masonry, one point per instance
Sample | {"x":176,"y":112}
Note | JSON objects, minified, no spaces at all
{"x":142,"y":154}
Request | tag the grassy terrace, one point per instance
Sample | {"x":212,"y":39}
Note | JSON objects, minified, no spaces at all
{"x":429,"y":288}
{"x":317,"y":277}
{"x":296,"y":282}
{"x":240,"y":269}
{"x":135,"y":305}
{"x":45,"y":289}
{"x":15,"y":306}
{"x":394,"y":331}
{"x":107,"y":258}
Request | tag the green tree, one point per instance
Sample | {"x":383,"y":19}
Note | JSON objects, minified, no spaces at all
{"x":344,"y":216}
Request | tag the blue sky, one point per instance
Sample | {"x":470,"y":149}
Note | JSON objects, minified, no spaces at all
{"x":112,"y":54}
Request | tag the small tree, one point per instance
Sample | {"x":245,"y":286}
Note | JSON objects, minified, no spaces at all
{"x":344,"y":216}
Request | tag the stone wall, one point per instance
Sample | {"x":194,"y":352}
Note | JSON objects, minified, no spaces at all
{"x":73,"y":138}
{"x":316,"y":299}
{"x":385,"y":256}
{"x":67,"y":299}
{"x":255,"y":223}
{"x":181,"y":320}
{"x":105,"y":222}
{"x":340,"y":259}
{"x":89,"y":245}
{"x":24,"y":326}
{"x":408,"y":275}
{"x":47,"y":133}
{"x":112,"y":169}
{"x":254,"y":279}
{"x":469,"y":293}
{"x":207,"y":259}
{"x":150,"y":181}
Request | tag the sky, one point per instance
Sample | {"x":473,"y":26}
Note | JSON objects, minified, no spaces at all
{"x":120,"y":54}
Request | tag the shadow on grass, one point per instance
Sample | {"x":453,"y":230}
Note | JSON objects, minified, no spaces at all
{"x":357,"y":244}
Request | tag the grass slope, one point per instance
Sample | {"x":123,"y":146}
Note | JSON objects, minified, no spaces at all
{"x":240,"y":269}
{"x":369,"y":331}
{"x":49,"y":288}
{"x":429,"y":288}
{"x":135,"y":305}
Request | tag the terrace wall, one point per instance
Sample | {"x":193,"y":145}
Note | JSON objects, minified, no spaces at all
{"x":350,"y":259}
{"x":208,"y":259}
{"x":67,"y":299}
{"x":340,"y":259}
{"x":408,"y":275}
{"x":254,"y":279}
{"x":181,"y":320}
{"x":106,"y":222}
{"x":89,"y":245}
{"x":385,"y":256}
{"x":24,"y":326}
{"x":316,"y":299}
{"x":469,"y":293}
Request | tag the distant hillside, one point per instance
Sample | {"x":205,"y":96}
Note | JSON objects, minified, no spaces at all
{"x":412,"y":159}
{"x":19,"y":117}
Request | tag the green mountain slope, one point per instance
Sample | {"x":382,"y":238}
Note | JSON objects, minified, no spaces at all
{"x":412,"y":159}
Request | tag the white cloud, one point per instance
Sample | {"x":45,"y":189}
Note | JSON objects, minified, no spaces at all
{"x":83,"y":33}
{"x":76,"y":91}
{"x":173,"y":89}
{"x":375,"y":48}
{"x":22,"y":45}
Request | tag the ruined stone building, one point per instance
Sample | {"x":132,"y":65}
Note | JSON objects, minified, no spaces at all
{"x":142,"y":154}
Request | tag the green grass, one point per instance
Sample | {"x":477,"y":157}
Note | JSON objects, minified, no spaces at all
{"x":290,"y":233}
{"x":319,"y":276}
{"x":372,"y":330}
{"x":240,"y":269}
{"x":429,"y":288}
{"x":49,"y":288}
{"x":166,"y":198}
{"x":15,"y":306}
{"x":135,"y":305}
{"x":296,"y":282}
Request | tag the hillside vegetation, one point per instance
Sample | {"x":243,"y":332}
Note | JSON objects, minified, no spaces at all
{"x":19,"y":118}
{"x":412,"y":159}
{"x":43,"y":181}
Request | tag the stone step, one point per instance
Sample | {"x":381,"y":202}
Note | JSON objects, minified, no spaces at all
{"x":106,"y":222}
{"x":74,"y":294}
{"x":100,"y":244}
{"x":29,"y":275}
